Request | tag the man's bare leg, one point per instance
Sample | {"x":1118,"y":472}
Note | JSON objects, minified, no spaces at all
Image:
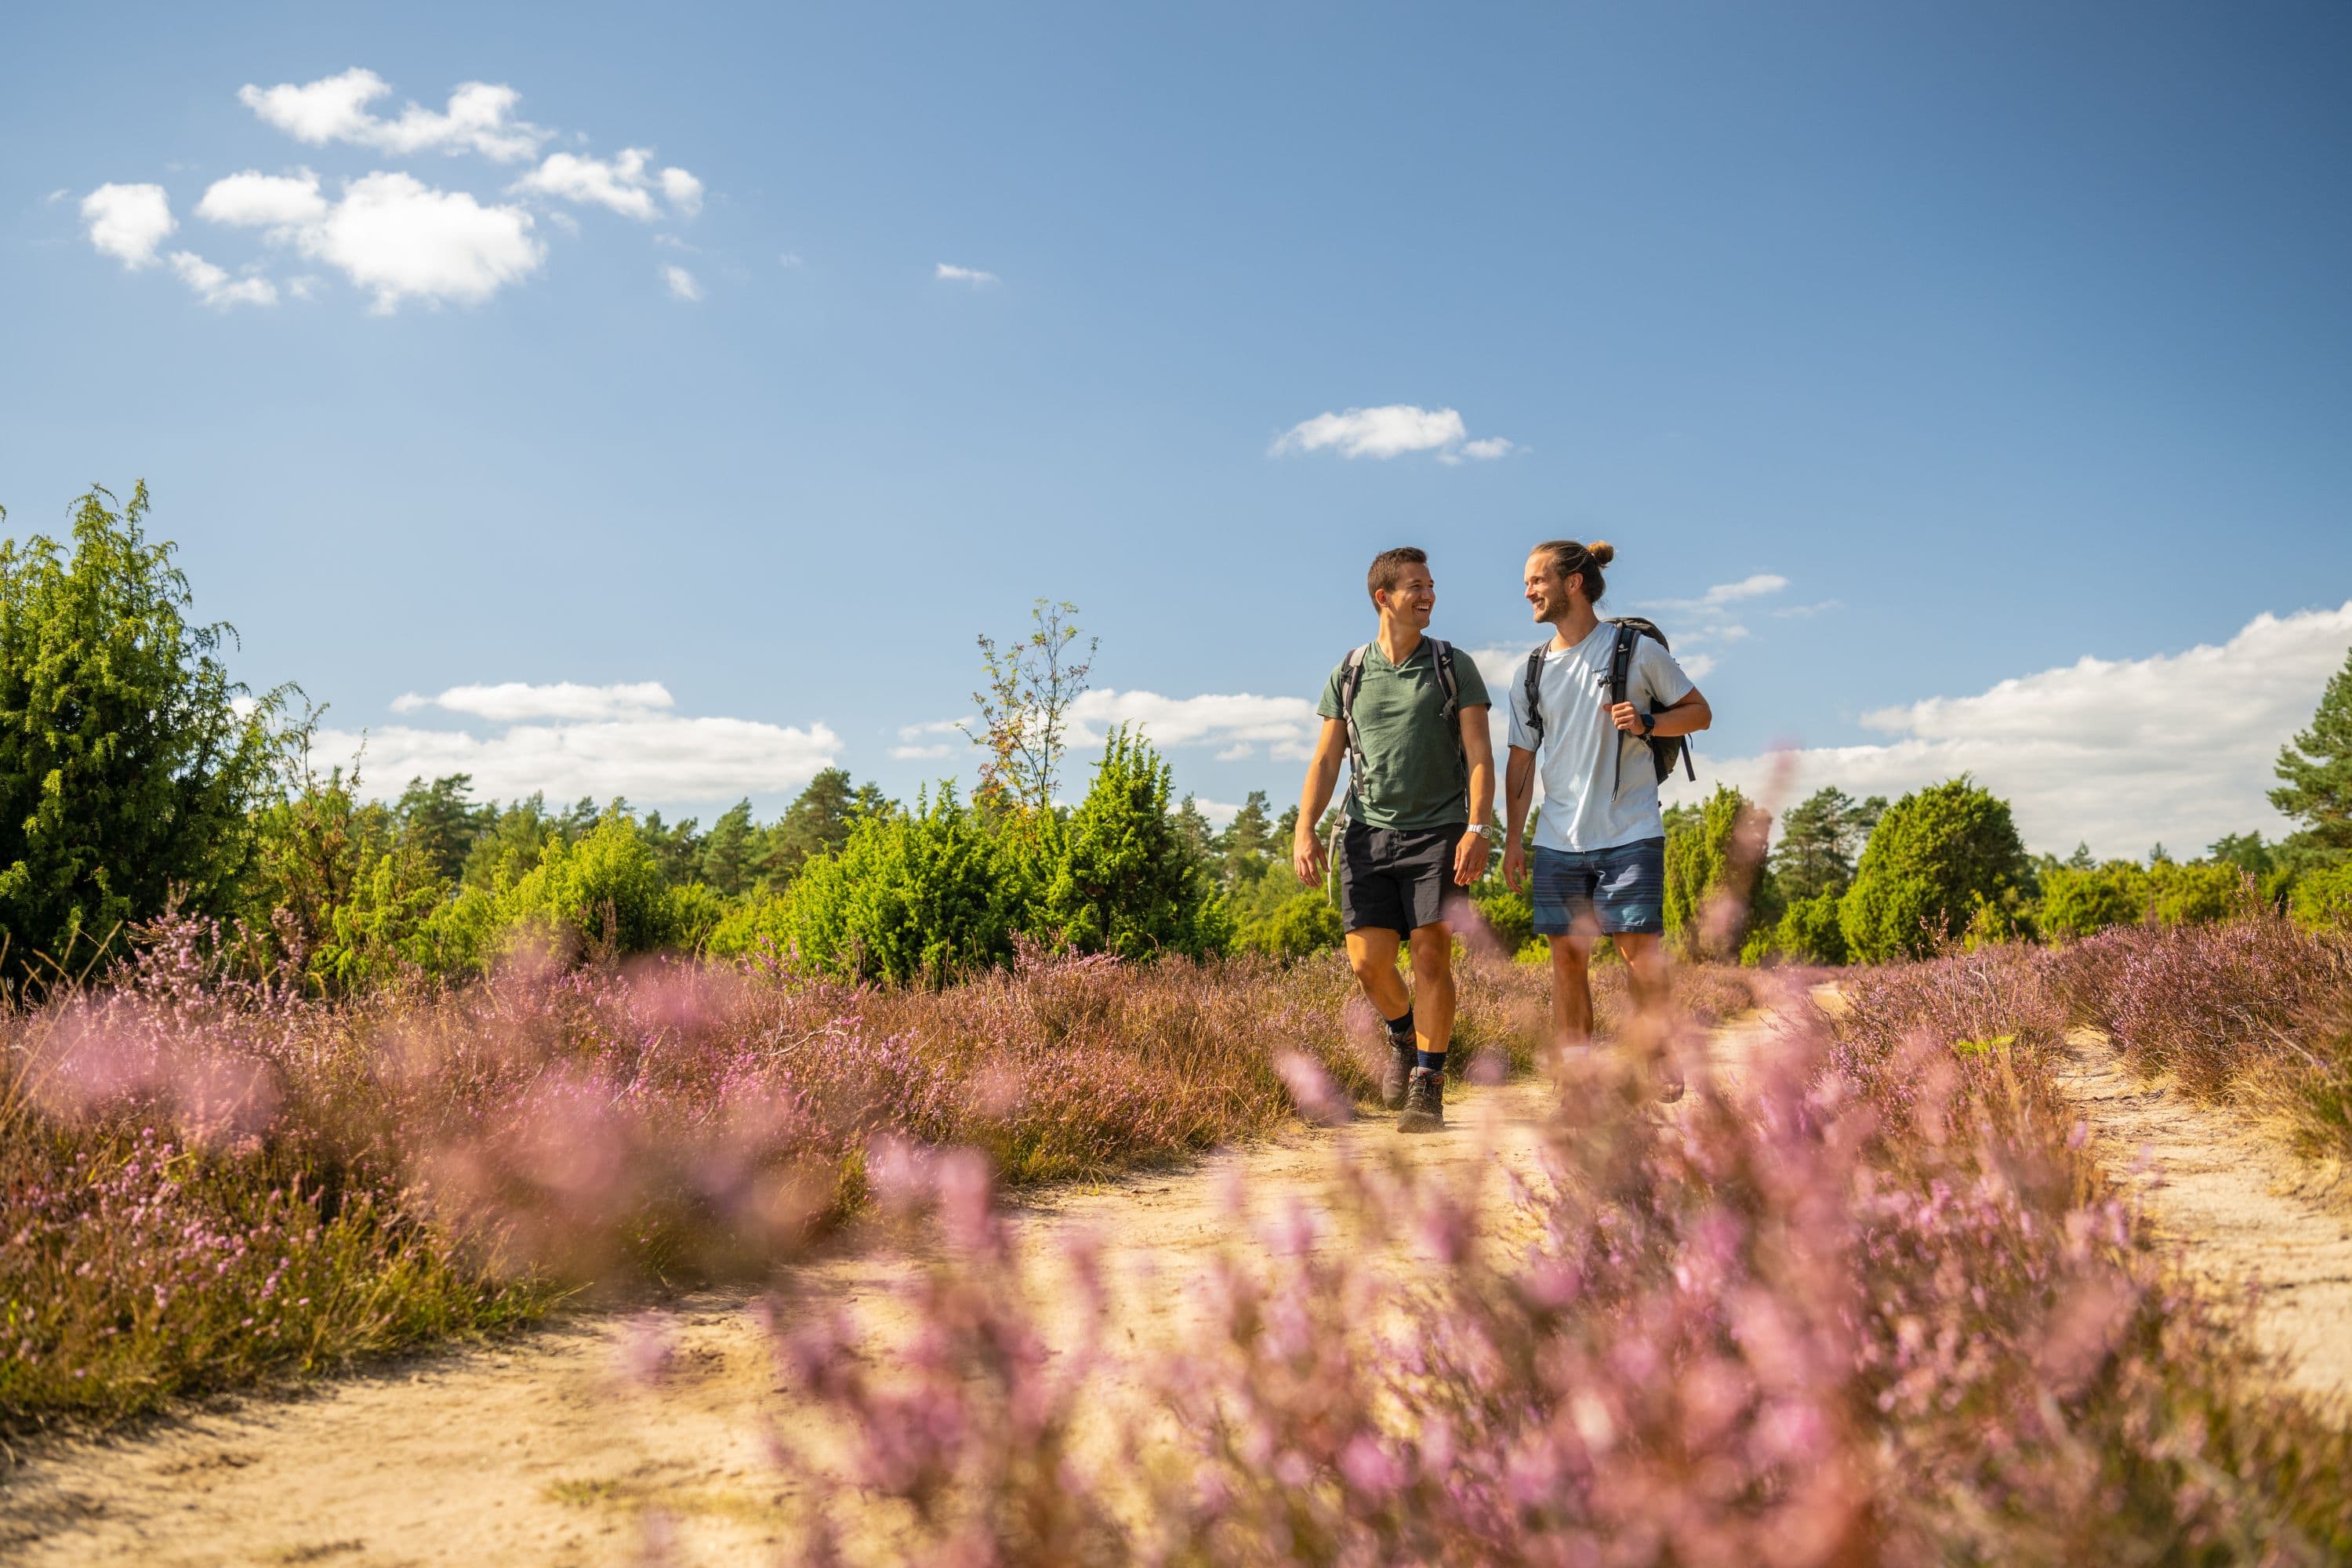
{"x":1646,"y":975}
{"x":1372,"y":955}
{"x":1571,"y":991}
{"x":1433,"y":988}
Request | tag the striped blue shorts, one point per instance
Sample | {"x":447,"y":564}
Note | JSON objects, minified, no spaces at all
{"x":1600,"y":892}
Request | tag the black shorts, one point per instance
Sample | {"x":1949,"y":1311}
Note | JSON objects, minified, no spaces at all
{"x":1395,"y":881}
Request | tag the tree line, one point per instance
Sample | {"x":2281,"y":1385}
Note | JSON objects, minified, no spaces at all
{"x":137,"y":777}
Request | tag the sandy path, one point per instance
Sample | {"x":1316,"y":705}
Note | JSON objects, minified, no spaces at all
{"x":542,"y":1452}
{"x":2224,"y":1197}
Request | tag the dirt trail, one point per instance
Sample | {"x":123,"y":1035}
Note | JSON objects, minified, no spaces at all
{"x":2222,"y":1194}
{"x":543,"y":1451}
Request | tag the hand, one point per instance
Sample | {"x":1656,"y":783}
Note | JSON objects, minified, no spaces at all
{"x":1470,"y":858}
{"x":1626,"y":718}
{"x":1515,"y":867}
{"x":1307,"y":856}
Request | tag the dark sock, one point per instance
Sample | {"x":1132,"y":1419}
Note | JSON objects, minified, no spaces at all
{"x":1401,"y":1028}
{"x":1433,"y":1060}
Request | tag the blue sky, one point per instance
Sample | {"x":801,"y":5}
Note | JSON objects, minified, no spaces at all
{"x":1902,"y":353}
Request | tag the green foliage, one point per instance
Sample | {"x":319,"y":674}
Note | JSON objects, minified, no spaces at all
{"x":2079,"y":902}
{"x":1129,"y":880}
{"x":1808,"y":931}
{"x":1510,"y":916}
{"x":2196,"y":893}
{"x":1027,"y":688}
{"x":441,"y":822}
{"x":2316,"y":772}
{"x":818,"y":822}
{"x":1698,"y":865}
{"x":2323,"y":898}
{"x":605,"y":894}
{"x":1304,"y":925}
{"x":924,"y":896}
{"x":1820,"y":837}
{"x":128,"y":761}
{"x":1934,"y":856}
{"x":392,"y":928}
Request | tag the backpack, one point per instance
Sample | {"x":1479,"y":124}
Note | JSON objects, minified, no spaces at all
{"x":1351,"y":678}
{"x":1665,"y":749}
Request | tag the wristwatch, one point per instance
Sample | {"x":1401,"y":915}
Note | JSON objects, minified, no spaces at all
{"x":1649,"y":723}
{"x":1485,"y":830}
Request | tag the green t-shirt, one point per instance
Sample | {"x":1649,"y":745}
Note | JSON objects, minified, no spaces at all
{"x":1419,"y":779}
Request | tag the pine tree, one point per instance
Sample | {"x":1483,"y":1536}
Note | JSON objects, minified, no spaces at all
{"x":440,"y":821}
{"x":2316,"y":772}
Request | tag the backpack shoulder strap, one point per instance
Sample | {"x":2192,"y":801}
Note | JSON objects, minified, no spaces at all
{"x":1441,"y":656}
{"x":1351,"y":678}
{"x":1621,"y":661}
{"x":1533,"y":687}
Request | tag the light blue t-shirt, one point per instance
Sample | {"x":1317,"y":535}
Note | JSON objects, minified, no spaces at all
{"x":1583,"y":754}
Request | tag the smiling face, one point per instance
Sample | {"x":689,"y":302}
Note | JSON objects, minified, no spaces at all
{"x":1412,"y":599}
{"x":1549,"y":593}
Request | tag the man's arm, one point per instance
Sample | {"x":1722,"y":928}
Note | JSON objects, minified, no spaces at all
{"x":1687,"y":717}
{"x":1478,"y":746}
{"x":1307,"y":856}
{"x":1518,"y":793}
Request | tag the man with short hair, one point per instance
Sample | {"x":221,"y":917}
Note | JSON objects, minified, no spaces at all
{"x":1600,"y":846}
{"x":1410,"y":715}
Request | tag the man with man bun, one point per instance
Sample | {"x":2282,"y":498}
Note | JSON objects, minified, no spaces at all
{"x":1599,"y":865}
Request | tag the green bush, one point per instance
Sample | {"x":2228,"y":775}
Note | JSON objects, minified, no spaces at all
{"x":1304,"y":925}
{"x":1808,"y":931}
{"x":1698,"y":862}
{"x":2199,"y":893}
{"x":2323,"y":898}
{"x":922,"y":895}
{"x":1510,"y":916}
{"x":605,"y":894}
{"x":1934,"y":856}
{"x":2079,"y":901}
{"x":1127,"y":881}
{"x":128,"y":757}
{"x":386,"y":931}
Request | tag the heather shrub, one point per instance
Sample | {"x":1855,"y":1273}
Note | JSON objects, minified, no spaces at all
{"x":1934,"y":856}
{"x":1763,"y":1330}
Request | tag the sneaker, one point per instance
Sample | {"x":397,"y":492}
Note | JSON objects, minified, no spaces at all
{"x":1424,"y":1102}
{"x":1670,"y":1084}
{"x":1400,"y":1069}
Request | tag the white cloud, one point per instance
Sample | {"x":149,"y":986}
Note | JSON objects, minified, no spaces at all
{"x":683,"y":190}
{"x":1389,"y":431}
{"x":682,"y":285}
{"x":594,"y":741}
{"x":215,"y":288}
{"x":948,"y":273}
{"x":403,"y":239}
{"x":280,"y":203}
{"x":1239,"y":751}
{"x":2176,"y":747}
{"x":621,"y":184}
{"x":512,"y":699}
{"x":1217,"y":813}
{"x":647,"y":757}
{"x":128,"y":222}
{"x":1752,"y":587}
{"x":789,"y":258}
{"x":1697,"y":666}
{"x":1287,"y":724}
{"x":914,"y":747}
{"x":479,"y":119}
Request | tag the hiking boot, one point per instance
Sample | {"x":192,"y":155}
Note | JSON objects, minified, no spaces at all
{"x":1424,"y":1102}
{"x":1400,"y":1069}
